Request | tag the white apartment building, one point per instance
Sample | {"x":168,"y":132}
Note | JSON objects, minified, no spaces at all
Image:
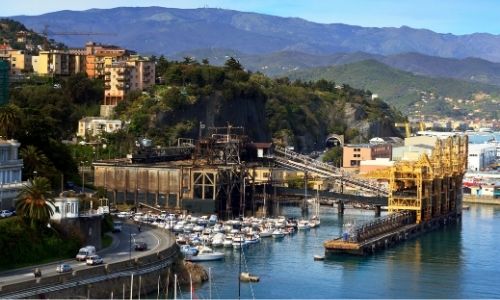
{"x":480,"y":156}
{"x":94,"y":126}
{"x":10,"y":173}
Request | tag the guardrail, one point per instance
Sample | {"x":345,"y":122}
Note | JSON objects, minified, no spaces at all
{"x":47,"y":284}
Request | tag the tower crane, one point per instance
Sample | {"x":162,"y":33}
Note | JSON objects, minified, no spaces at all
{"x":45,"y":32}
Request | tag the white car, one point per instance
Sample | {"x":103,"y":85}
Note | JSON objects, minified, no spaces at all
{"x":5,"y":214}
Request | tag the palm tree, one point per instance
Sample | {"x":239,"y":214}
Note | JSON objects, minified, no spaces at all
{"x":35,"y":201}
{"x":10,"y":117}
{"x":33,"y":160}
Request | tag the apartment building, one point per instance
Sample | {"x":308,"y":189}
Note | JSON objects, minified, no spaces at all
{"x":20,"y":62}
{"x":58,"y":62}
{"x":353,"y":154}
{"x":98,"y":56}
{"x":10,"y":173}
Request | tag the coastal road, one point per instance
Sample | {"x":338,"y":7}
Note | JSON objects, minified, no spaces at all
{"x":120,"y":249}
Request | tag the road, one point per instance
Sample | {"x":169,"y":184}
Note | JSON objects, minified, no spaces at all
{"x":121,"y":249}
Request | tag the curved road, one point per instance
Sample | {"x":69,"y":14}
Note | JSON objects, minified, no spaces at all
{"x":121,"y":249}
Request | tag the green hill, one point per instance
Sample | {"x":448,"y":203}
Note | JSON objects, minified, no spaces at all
{"x":404,"y":90}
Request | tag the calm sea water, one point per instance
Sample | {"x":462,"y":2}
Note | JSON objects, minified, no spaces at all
{"x":459,"y":261}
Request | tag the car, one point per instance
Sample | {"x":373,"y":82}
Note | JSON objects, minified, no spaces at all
{"x":140,"y":246}
{"x":5,"y":213}
{"x":63,"y":268}
{"x":94,"y":260}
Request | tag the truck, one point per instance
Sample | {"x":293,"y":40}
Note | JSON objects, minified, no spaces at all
{"x":85,"y":252}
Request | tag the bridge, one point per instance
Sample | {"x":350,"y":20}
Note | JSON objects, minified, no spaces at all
{"x":296,"y":161}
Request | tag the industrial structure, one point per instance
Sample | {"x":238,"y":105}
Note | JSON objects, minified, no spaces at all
{"x":222,"y":172}
{"x":422,"y":192}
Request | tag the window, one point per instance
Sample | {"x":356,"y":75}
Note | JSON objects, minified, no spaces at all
{"x":354,"y":163}
{"x":357,"y":149}
{"x":357,"y":155}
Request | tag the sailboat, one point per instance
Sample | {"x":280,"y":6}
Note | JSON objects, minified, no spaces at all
{"x":315,"y":220}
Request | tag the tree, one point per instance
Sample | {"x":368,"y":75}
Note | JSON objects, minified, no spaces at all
{"x":233,"y":64}
{"x":35,"y":201}
{"x":33,"y":160}
{"x":10,"y":117}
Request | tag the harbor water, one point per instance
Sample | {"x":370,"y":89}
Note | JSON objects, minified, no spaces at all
{"x":457,"y":261}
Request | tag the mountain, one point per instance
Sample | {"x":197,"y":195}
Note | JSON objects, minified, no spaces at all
{"x":284,"y":62}
{"x":158,"y":30}
{"x":413,"y":94}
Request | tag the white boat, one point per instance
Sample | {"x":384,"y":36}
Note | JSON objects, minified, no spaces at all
{"x":205,"y":254}
{"x":188,"y":250}
{"x":179,"y":227}
{"x":218,"y":240}
{"x":252,"y":239}
{"x":198,"y":228}
{"x":303,"y":225}
{"x":188,"y":227}
{"x":278,"y":233}
{"x":265,"y":232}
{"x":239,"y":241}
{"x":228,"y":242}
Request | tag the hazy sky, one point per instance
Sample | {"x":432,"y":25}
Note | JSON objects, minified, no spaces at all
{"x":444,"y":16}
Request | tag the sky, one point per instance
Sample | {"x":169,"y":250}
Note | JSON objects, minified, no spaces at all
{"x":443,"y":16}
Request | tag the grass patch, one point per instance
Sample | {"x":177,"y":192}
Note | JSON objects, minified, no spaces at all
{"x":106,"y":241}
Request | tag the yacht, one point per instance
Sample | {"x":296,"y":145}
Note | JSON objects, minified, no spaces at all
{"x":205,"y":254}
{"x":278,"y":233}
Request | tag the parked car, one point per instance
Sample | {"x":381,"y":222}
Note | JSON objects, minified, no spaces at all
{"x":5,"y":213}
{"x":141,"y":246}
{"x":94,"y":260}
{"x":63,"y":268}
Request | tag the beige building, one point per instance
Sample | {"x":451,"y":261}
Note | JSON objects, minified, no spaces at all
{"x":58,"y":62}
{"x":135,"y":74}
{"x":20,"y":62}
{"x":354,"y":154}
{"x":94,"y":126}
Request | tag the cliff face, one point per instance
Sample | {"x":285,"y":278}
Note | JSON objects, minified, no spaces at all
{"x":216,"y":111}
{"x":356,"y":117}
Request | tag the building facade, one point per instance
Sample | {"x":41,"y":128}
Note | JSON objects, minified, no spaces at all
{"x":355,"y":153}
{"x":10,"y":173}
{"x":94,"y":126}
{"x":481,"y":156}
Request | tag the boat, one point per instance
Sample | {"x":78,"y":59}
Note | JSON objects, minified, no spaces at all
{"x":278,"y":233}
{"x":188,"y":250}
{"x":319,"y":257}
{"x":265,"y":232}
{"x":465,"y":207}
{"x":252,"y":239}
{"x":247,"y":277}
{"x":228,"y":241}
{"x":212,"y":220}
{"x":239,"y":241}
{"x":205,"y":254}
{"x":303,"y":225}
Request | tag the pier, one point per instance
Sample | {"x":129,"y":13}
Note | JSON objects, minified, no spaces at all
{"x":423,"y":194}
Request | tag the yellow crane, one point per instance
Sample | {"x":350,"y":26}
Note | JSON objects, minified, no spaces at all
{"x":406,"y":126}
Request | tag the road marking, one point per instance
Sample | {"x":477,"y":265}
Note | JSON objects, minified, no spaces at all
{"x":157,"y":241}
{"x":122,"y":253}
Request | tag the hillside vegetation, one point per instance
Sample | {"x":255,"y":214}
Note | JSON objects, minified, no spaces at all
{"x":398,"y":88}
{"x":301,"y":113}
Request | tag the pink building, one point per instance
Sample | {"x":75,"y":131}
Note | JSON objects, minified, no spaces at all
{"x":354,"y":154}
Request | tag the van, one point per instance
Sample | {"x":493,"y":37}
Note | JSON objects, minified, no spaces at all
{"x":85,"y":252}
